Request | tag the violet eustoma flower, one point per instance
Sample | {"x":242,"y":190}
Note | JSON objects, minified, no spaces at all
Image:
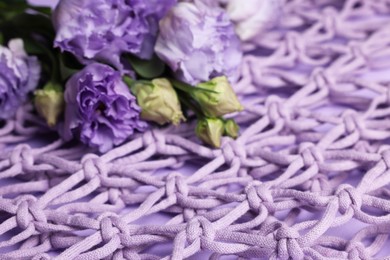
{"x":199,"y":43}
{"x":104,"y":29}
{"x":100,"y":110}
{"x":19,"y":75}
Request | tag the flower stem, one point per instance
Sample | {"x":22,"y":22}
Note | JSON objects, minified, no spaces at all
{"x":129,"y":81}
{"x":182,"y":86}
{"x":186,"y":100}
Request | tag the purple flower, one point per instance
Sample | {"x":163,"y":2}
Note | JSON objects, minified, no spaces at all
{"x":100,"y":110}
{"x":19,"y":75}
{"x":104,"y":29}
{"x":199,"y":43}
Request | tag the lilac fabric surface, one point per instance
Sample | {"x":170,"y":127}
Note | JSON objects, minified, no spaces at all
{"x":313,"y":158}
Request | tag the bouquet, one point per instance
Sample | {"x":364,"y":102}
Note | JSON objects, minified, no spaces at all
{"x":100,"y":71}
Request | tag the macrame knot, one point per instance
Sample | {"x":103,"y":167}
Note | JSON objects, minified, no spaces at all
{"x":322,"y":78}
{"x":128,"y":254}
{"x":363,"y":146}
{"x":330,"y":19}
{"x":257,"y":194}
{"x":27,"y":212}
{"x":188,"y":214}
{"x":356,"y":250}
{"x":357,"y":50}
{"x":148,"y":138}
{"x":113,"y":195}
{"x":348,"y":197}
{"x":285,"y":232}
{"x":160,"y":141}
{"x":311,"y":154}
{"x":386,"y":158}
{"x":60,"y":240}
{"x":287,"y":244}
{"x":41,"y":256}
{"x":93,"y":167}
{"x":199,"y":227}
{"x":295,"y":42}
{"x":232,"y":150}
{"x":276,"y":109}
{"x":22,"y":154}
{"x":176,"y":184}
{"x":387,"y":100}
{"x":352,"y":123}
{"x":111,"y":226}
{"x":319,"y":183}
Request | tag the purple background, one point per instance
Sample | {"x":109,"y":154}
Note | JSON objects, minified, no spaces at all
{"x":347,"y":231}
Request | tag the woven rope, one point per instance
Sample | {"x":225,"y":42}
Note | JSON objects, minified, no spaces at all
{"x":312,"y":157}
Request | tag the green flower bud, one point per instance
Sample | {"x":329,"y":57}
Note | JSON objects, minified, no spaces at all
{"x":159,"y":101}
{"x":216,"y":97}
{"x":49,"y":102}
{"x":231,"y":129}
{"x":210,"y":131}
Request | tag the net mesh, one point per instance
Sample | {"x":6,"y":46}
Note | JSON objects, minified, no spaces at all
{"x":313,"y":156}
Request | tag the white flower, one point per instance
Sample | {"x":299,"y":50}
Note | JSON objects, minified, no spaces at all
{"x":19,"y":75}
{"x":253,"y":16}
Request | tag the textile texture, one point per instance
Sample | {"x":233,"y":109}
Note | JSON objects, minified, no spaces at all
{"x":313,"y":155}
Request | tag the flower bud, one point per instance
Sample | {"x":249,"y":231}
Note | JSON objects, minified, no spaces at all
{"x":216,"y":97}
{"x":49,"y":103}
{"x":232,"y":129}
{"x":159,"y":101}
{"x":210,"y":131}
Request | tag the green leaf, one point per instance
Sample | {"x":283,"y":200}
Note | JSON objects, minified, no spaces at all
{"x":189,"y":88}
{"x":65,"y":69}
{"x":25,"y":24}
{"x":69,"y":60}
{"x":46,"y":56}
{"x":1,"y":39}
{"x":12,"y":8}
{"x":38,"y":34}
{"x":129,"y":81}
{"x":42,"y":10}
{"x":13,"y":4}
{"x":182,"y":86}
{"x":148,"y":69}
{"x":7,"y":2}
{"x":68,"y":64}
{"x":32,"y":47}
